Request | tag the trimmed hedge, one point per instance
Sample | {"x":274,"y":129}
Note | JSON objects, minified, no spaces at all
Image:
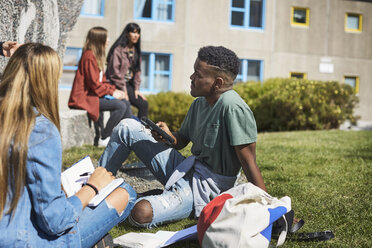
{"x":279,"y":104}
{"x":282,"y":104}
{"x":169,"y":107}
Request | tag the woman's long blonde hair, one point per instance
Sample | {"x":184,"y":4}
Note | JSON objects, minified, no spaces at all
{"x":29,"y":87}
{"x":96,"y":42}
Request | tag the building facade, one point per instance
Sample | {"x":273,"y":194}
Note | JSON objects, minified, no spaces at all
{"x":313,"y":39}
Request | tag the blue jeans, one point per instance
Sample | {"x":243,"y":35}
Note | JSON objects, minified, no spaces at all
{"x":95,"y":222}
{"x":130,"y":135}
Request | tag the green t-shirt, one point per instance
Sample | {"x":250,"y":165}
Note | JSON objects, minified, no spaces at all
{"x":215,"y":130}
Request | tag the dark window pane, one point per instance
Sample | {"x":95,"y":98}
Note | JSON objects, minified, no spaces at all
{"x":297,"y":75}
{"x":253,"y":71}
{"x":241,"y":67}
{"x":161,"y":82}
{"x":162,"y":10}
{"x":255,"y":15}
{"x":350,"y":81}
{"x":162,"y":63}
{"x":237,"y":18}
{"x":145,"y":71}
{"x":169,"y":12}
{"x":238,"y":3}
{"x":299,"y":16}
{"x":146,"y":12}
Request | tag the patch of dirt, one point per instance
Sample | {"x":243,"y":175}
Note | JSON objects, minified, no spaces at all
{"x":139,"y":183}
{"x":142,"y":180}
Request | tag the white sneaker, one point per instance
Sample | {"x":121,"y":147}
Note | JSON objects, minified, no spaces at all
{"x":103,"y":142}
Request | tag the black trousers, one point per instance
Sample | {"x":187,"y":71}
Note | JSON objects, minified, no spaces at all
{"x":139,"y":103}
{"x":119,"y":109}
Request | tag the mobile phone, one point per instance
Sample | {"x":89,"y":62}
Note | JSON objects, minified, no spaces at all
{"x":109,"y":97}
{"x":153,"y":127}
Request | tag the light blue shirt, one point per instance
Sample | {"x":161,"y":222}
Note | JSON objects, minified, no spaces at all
{"x":44,"y":217}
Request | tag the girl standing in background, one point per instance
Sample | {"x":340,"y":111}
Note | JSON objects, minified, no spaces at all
{"x":124,"y":67}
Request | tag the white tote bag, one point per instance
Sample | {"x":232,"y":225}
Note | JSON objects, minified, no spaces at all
{"x":241,"y":217}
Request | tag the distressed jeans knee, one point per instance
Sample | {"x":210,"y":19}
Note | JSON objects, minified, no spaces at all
{"x":174,"y":204}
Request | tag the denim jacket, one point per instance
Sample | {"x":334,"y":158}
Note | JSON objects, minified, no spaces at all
{"x":44,"y":217}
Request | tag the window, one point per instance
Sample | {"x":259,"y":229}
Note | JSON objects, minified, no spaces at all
{"x":71,"y":58}
{"x":353,"y":81}
{"x":250,"y":70}
{"x":300,"y":16}
{"x":299,"y":75}
{"x":353,"y":22}
{"x":156,"y":10}
{"x":156,"y":72}
{"x":93,"y":8}
{"x":247,"y":13}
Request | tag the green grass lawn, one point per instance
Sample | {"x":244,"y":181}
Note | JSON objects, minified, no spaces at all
{"x":327,"y":174}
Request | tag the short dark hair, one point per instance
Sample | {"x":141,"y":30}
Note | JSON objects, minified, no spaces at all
{"x":221,"y":57}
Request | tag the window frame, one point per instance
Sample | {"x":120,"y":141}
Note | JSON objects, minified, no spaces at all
{"x":73,"y":67}
{"x":247,"y":15}
{"x":153,"y":72}
{"x":304,"y":75}
{"x":296,"y":24}
{"x":153,"y":12}
{"x":356,"y":88}
{"x":101,"y":15}
{"x":360,"y":23}
{"x":244,"y":73}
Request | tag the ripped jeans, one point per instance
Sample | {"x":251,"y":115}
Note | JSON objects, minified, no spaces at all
{"x":130,"y":135}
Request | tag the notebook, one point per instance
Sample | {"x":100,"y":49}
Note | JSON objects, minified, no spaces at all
{"x":74,"y":177}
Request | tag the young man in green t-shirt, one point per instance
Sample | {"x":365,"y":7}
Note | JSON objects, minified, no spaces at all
{"x":223,"y":133}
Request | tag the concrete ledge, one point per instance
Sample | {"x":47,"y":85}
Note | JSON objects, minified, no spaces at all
{"x":75,"y":130}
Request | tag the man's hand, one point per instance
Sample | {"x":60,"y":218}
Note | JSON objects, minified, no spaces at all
{"x":165,"y":128}
{"x":9,"y":47}
{"x":247,"y":157}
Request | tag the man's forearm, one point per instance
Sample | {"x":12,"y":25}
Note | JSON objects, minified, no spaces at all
{"x":179,"y":141}
{"x":247,"y":157}
{"x":254,"y":176}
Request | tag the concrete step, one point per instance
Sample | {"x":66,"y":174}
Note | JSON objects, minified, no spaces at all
{"x":75,"y":129}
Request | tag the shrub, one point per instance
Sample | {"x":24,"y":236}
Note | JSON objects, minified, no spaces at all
{"x":279,"y":104}
{"x":295,"y":104}
{"x":169,"y":107}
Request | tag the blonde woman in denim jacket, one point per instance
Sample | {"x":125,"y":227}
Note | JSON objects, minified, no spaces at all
{"x":34,"y":211}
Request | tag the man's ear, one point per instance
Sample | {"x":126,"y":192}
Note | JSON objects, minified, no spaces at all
{"x":218,"y":83}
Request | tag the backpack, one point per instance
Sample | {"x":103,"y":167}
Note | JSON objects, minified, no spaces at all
{"x":247,"y":216}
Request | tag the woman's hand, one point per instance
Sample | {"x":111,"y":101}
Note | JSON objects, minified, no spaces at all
{"x":126,"y":96}
{"x":137,"y":94}
{"x":101,"y":178}
{"x":119,"y":94}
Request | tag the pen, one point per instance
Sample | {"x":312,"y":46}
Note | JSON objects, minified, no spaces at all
{"x":86,"y":174}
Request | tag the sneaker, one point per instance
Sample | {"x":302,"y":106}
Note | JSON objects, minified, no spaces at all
{"x":103,"y":142}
